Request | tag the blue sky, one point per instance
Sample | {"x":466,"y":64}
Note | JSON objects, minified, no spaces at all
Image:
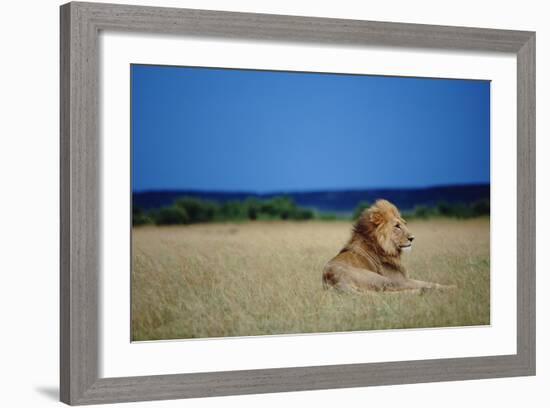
{"x":266,"y":131}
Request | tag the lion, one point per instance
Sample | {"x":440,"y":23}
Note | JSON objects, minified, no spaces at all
{"x":371,"y":259}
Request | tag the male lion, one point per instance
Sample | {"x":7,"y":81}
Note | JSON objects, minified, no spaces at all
{"x":371,"y":260}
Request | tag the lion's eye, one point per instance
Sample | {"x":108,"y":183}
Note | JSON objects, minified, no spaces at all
{"x":397,"y":226}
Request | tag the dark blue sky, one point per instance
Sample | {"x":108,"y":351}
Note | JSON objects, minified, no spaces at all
{"x":264,"y":131}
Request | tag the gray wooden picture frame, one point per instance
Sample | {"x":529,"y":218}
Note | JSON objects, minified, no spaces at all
{"x":80,"y":234}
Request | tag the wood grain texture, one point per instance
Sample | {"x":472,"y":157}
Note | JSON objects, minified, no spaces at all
{"x":64,"y":205}
{"x":299,"y":29}
{"x":79,"y":196}
{"x":526,"y":195}
{"x":79,"y":204}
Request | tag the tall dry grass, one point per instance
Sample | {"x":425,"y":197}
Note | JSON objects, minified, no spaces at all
{"x":262,"y":278}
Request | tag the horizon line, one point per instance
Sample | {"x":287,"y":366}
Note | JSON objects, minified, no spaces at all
{"x":328,"y":190}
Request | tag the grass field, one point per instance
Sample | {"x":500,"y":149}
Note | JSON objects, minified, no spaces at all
{"x":261,"y":278}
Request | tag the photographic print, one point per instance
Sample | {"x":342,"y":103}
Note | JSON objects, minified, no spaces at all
{"x":274,"y":202}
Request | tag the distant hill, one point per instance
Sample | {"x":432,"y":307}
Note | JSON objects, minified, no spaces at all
{"x":341,"y":202}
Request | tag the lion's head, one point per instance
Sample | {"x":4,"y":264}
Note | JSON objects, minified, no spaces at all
{"x":383,"y":224}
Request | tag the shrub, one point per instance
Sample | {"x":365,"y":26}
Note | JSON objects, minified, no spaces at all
{"x":327,"y":217}
{"x":198,"y":210}
{"x":422,"y":211}
{"x":281,"y":207}
{"x":232,"y":210}
{"x":481,"y":207}
{"x":461,"y":210}
{"x":139,"y":217}
{"x":171,"y":216}
{"x":252,"y":206}
{"x":303,"y":214}
{"x":444,"y":208}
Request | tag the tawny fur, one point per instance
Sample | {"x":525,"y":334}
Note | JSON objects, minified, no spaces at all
{"x":371,"y":260}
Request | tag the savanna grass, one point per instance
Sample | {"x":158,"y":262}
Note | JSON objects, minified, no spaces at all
{"x":262,"y":278}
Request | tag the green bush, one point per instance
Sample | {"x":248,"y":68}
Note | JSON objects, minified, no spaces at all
{"x":171,"y":216}
{"x":328,"y":217}
{"x":481,"y":207}
{"x":232,"y":210}
{"x":445,"y":209}
{"x":461,"y":210}
{"x":303,"y":214}
{"x":139,"y":217}
{"x":198,"y":210}
{"x":423,"y":212}
{"x":452,"y":210}
{"x":279,"y":207}
{"x":252,"y":206}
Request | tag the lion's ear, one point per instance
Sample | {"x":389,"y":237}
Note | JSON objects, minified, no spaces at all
{"x":376,"y":217}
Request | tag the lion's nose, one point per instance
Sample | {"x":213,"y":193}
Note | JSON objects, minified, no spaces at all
{"x":411,"y":238}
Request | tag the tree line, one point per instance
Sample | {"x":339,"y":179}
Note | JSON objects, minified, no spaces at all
{"x":192,"y":210}
{"x":477,"y":208}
